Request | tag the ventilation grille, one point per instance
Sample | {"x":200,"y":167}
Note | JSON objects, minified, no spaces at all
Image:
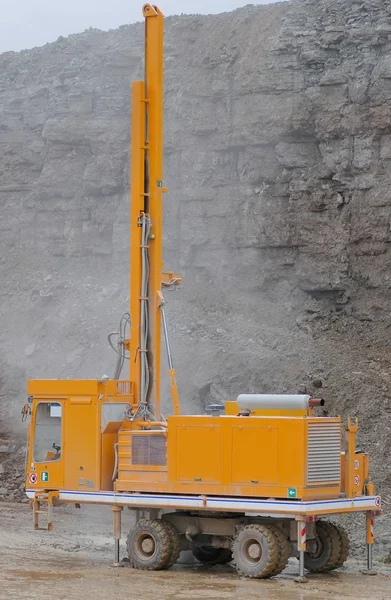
{"x":324,"y":453}
{"x":124,"y":388}
{"x":149,"y":450}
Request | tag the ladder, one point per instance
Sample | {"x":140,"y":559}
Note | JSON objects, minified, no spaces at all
{"x":43,"y":505}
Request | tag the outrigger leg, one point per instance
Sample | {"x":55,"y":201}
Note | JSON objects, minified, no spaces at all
{"x":301,"y":546}
{"x":370,"y":540}
{"x":117,"y":510}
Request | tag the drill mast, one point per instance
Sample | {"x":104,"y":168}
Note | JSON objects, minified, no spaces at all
{"x":146,"y":224}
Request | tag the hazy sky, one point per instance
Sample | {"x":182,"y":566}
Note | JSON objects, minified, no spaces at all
{"x":28,"y":23}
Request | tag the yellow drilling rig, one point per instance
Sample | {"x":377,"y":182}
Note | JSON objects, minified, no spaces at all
{"x":253,"y":481}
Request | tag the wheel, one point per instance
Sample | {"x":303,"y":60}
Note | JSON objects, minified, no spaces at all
{"x":285,"y":551}
{"x":149,"y":545}
{"x":328,"y":549}
{"x":257,"y":552}
{"x":212,"y":556}
{"x":175,"y":544}
{"x":345,"y":545}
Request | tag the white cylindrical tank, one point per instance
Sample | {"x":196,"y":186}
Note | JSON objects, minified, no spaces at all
{"x":273,"y":401}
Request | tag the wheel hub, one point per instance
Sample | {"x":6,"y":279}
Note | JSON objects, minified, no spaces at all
{"x":252,"y":551}
{"x":145,"y":546}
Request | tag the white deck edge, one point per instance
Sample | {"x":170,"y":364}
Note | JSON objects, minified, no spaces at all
{"x":247,"y":505}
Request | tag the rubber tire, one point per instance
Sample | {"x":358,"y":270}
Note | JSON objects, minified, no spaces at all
{"x":207,"y":555}
{"x":345,"y":546}
{"x":270,"y":559}
{"x":330,"y":551}
{"x":175,"y":544}
{"x":162,"y":536}
{"x":286,"y":550}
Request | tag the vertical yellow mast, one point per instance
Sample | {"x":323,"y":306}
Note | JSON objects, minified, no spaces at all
{"x":154,"y":31}
{"x":146,"y":225}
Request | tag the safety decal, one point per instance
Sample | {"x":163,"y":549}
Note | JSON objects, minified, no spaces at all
{"x":33,"y":478}
{"x":356,"y":480}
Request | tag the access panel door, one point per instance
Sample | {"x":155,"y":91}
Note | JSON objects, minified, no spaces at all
{"x":82,"y":447}
{"x":198,"y":456}
{"x":254,"y":455}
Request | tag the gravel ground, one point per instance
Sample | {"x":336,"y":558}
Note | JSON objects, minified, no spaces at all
{"x":74,"y":561}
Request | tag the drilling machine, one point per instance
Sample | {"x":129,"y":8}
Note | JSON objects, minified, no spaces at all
{"x":253,"y":485}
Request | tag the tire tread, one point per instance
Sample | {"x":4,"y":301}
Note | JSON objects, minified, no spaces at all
{"x":273,"y":544}
{"x":175,"y":543}
{"x":162,"y":533}
{"x":285,"y":550}
{"x":329,"y":530}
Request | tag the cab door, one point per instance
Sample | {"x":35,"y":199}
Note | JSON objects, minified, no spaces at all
{"x":45,"y":467}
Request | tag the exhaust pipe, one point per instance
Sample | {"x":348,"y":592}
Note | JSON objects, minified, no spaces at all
{"x":312,"y":402}
{"x":252,"y":402}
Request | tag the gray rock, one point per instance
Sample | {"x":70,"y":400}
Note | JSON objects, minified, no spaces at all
{"x":29,"y":350}
{"x":297,"y":154}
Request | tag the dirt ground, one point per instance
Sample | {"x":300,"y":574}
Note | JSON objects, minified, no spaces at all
{"x":74,"y":562}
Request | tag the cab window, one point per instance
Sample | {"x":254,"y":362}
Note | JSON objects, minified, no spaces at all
{"x":47,"y":438}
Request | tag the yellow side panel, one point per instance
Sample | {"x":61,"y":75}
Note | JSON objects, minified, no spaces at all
{"x":198,"y":453}
{"x":254,"y":455}
{"x":81,"y":438}
{"x":360,"y":473}
{"x":145,"y":478}
{"x":108,"y":459}
{"x":292,"y":452}
{"x":63,"y":388}
{"x":81,"y":400}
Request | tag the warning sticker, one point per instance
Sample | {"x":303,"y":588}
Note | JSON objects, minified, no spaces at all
{"x":33,"y":478}
{"x":356,"y":480}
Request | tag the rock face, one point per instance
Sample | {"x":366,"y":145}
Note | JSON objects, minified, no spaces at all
{"x":278,"y":155}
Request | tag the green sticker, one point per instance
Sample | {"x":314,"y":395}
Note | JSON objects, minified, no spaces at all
{"x":45,"y":476}
{"x":292,"y":493}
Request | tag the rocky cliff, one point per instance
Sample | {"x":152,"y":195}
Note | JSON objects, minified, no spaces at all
{"x":278,"y":155}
